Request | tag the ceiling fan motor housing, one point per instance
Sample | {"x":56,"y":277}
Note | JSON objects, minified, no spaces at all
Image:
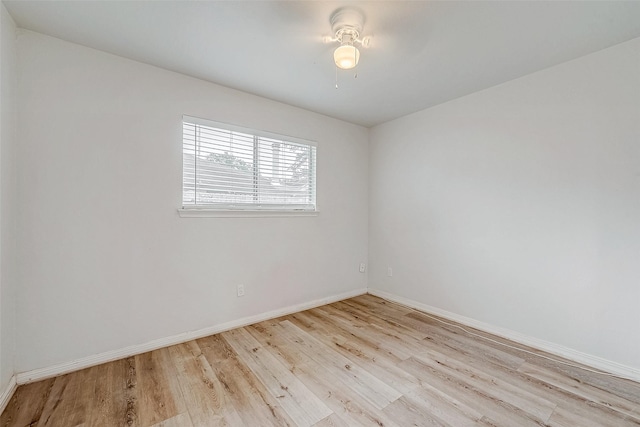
{"x":347,"y":21}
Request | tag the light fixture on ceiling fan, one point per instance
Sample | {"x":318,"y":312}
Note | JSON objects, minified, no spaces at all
{"x":347,"y":24}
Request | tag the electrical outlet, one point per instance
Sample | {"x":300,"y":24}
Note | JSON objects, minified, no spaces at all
{"x":240,"y":289}
{"x":389,"y":271}
{"x":363,"y":267}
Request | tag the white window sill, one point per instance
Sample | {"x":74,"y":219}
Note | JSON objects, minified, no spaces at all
{"x":228,"y":213}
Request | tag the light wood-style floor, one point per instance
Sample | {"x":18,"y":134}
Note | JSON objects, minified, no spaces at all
{"x":363,"y":361}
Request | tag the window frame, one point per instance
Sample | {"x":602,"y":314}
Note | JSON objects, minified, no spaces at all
{"x":249,"y":210}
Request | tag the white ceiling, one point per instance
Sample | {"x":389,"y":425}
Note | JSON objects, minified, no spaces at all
{"x":422,"y":53}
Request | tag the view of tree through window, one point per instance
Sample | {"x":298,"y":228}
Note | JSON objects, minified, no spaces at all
{"x":225,"y":168}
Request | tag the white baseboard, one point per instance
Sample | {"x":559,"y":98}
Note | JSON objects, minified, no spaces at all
{"x":109,"y":356}
{"x":7,"y":393}
{"x":556,"y":349}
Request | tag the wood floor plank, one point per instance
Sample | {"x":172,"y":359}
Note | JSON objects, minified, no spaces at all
{"x":458,"y":341}
{"x":385,"y":322}
{"x":562,"y":417}
{"x":372,"y":359}
{"x":159,"y":394}
{"x":382,"y":316}
{"x":349,"y":406}
{"x":375,"y":305}
{"x":332,"y":420}
{"x":347,"y":367}
{"x":623,"y":388}
{"x":57,"y":402}
{"x":180,"y":420}
{"x":130,"y":392}
{"x":407,"y":413}
{"x":491,"y":385}
{"x":502,"y":412}
{"x":80,"y":389}
{"x":303,"y":407}
{"x":359,"y":362}
{"x":115,"y":394}
{"x":368,"y":386}
{"x":208,"y":405}
{"x":355,"y":337}
{"x":453,"y":327}
{"x":27,"y":404}
{"x":445,"y":407}
{"x":591,"y":393}
{"x":252,"y":401}
{"x":389,"y":342}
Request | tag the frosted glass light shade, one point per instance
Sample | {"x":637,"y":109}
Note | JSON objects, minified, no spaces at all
{"x":346,"y":56}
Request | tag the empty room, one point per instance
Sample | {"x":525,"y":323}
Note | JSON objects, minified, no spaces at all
{"x":319,"y":213}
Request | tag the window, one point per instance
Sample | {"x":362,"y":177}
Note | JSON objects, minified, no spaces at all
{"x":226,"y":167}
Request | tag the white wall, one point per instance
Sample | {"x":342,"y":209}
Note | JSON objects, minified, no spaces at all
{"x":8,"y":66}
{"x":104,"y":260}
{"x":519,"y":206}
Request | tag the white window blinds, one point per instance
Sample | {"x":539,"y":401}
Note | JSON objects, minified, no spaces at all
{"x":228,"y":167}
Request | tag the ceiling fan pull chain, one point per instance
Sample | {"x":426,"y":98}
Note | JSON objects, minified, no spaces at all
{"x":355,"y":59}
{"x":336,"y":77}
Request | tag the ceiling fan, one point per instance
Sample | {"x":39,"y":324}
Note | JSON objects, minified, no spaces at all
{"x":347,"y":24}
